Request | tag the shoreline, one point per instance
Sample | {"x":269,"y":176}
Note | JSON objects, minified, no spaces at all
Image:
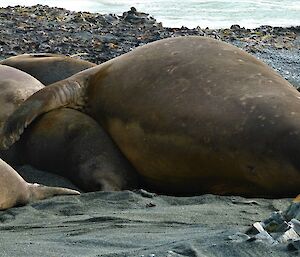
{"x":101,"y":37}
{"x":175,"y":14}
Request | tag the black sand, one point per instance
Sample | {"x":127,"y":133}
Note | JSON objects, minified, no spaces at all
{"x":129,"y":224}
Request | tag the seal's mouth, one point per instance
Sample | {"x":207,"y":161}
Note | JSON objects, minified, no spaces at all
{"x":40,"y":55}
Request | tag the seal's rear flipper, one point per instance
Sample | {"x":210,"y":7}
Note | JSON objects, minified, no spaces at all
{"x":293,"y":211}
{"x":39,"y":192}
{"x":296,"y":199}
{"x":61,"y":94}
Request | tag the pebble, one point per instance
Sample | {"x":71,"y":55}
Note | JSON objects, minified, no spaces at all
{"x":150,"y":205}
{"x":171,"y":254}
{"x":239,"y":237}
{"x":145,"y":193}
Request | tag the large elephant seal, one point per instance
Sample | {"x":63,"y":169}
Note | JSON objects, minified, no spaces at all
{"x":64,"y":141}
{"x":192,"y":114}
{"x":47,"y":68}
{"x":14,"y":190}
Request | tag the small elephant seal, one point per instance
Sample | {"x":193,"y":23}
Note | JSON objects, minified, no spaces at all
{"x":15,"y":87}
{"x":64,"y":141}
{"x":14,"y":190}
{"x":73,"y":145}
{"x":47,"y":68}
{"x":192,"y":114}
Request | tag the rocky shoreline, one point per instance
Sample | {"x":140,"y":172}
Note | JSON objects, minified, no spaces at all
{"x":100,"y":37}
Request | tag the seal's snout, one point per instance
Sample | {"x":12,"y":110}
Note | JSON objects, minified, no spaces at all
{"x":39,"y":55}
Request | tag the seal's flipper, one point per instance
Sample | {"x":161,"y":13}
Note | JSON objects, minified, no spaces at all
{"x":14,"y":190}
{"x":39,"y":192}
{"x":65,"y":93}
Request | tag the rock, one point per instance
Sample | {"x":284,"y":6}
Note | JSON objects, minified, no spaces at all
{"x":294,"y":245}
{"x":135,"y":17}
{"x":276,"y":223}
{"x":265,"y":237}
{"x":258,"y":226}
{"x":288,"y":236}
{"x":235,"y":27}
{"x":293,"y":211}
{"x":280,"y":227}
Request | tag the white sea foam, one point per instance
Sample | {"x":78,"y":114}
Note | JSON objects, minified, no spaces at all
{"x":191,"y":13}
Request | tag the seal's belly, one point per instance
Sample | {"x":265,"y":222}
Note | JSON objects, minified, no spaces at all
{"x":176,"y":164}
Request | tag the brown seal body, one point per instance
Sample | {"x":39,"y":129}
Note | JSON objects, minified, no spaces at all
{"x":64,"y":141}
{"x":73,"y":145}
{"x":14,"y":190}
{"x":15,"y":88}
{"x":47,"y":68}
{"x":192,"y":114}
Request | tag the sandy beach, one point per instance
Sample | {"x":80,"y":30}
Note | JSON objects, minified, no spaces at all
{"x":134,"y":223}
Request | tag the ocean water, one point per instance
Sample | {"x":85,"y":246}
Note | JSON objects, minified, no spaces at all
{"x":191,"y":13}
